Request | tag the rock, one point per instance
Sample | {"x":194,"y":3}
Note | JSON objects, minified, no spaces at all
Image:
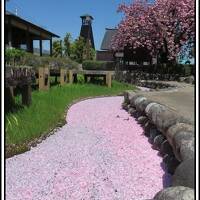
{"x":175,"y":193}
{"x":182,"y":137}
{"x":131,"y":110}
{"x":189,"y":79}
{"x":171,"y":163}
{"x":141,"y":106}
{"x":39,"y":140}
{"x":142,"y":119}
{"x":166,"y":148}
{"x":186,"y":141}
{"x":175,"y":129}
{"x":136,"y":114}
{"x":185,"y":120}
{"x":178,"y":135}
{"x":153,"y":132}
{"x":149,"y":107}
{"x":181,"y":79}
{"x":187,"y":150}
{"x":148,"y":125}
{"x":138,"y":101}
{"x":132,"y":100}
{"x":128,"y":95}
{"x":125,"y":106}
{"x":166,"y":158}
{"x":158,"y":140}
{"x":163,"y":117}
{"x":184,"y":174}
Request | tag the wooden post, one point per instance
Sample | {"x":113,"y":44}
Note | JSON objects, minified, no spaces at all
{"x":40,"y":46}
{"x":28,"y":40}
{"x":44,"y":78}
{"x":56,"y":79}
{"x":9,"y":33}
{"x":71,"y":76}
{"x":85,"y":78}
{"x":63,"y":76}
{"x":51,"y":49}
{"x":75,"y":78}
{"x":37,"y":81}
{"x":47,"y":78}
{"x":92,"y":79}
{"x":61,"y":48}
{"x":41,"y":78}
{"x":11,"y":91}
{"x":9,"y":98}
{"x":104,"y":80}
{"x":26,"y":95}
{"x":109,"y":79}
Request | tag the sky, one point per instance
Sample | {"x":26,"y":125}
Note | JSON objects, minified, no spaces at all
{"x":62,"y":16}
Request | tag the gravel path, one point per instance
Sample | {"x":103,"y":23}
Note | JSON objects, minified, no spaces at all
{"x":101,"y":154}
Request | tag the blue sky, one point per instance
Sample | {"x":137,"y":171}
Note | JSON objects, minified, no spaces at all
{"x":61,"y":16}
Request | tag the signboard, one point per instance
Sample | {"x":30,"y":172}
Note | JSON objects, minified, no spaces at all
{"x":119,"y":54}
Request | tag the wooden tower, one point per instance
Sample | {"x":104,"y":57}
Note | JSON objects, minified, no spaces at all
{"x":86,"y":29}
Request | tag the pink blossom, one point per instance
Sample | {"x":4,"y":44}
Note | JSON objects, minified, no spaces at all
{"x":171,"y":21}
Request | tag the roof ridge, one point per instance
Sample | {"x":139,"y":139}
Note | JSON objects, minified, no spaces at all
{"x":111,"y":28}
{"x":9,"y":13}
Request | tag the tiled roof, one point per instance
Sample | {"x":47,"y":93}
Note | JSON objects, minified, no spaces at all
{"x":105,"y":45}
{"x":8,"y":13}
{"x":86,"y":15}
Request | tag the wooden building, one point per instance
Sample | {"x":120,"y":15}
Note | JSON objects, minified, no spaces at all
{"x":19,"y":31}
{"x":86,"y":29}
{"x":106,"y":54}
{"x":127,"y":57}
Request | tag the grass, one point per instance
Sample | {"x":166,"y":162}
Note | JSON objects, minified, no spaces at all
{"x":48,"y":109}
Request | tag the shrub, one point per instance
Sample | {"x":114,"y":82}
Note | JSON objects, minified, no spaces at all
{"x":183,"y":70}
{"x":31,"y":60}
{"x":98,"y":65}
{"x":22,"y":58}
{"x":59,"y":62}
{"x":12,"y":55}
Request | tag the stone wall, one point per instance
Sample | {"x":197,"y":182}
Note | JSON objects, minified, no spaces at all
{"x":156,"y":85}
{"x":173,"y":136}
{"x":135,"y":77}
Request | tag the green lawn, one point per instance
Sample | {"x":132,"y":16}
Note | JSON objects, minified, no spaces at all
{"x":48,"y":109}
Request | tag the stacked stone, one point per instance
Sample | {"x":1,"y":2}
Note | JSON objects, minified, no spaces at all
{"x":136,"y":76}
{"x":173,"y":136}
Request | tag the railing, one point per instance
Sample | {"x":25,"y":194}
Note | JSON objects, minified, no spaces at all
{"x":24,"y":78}
{"x":19,"y":76}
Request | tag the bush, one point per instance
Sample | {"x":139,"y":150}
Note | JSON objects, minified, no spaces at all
{"x":59,"y":62}
{"x":183,"y":70}
{"x":22,"y":58}
{"x":12,"y":55}
{"x":31,"y":60}
{"x":98,"y":65}
{"x":178,"y":69}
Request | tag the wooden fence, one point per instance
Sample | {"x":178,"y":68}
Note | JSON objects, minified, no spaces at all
{"x":24,"y":77}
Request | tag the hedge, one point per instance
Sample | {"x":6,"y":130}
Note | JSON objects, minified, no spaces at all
{"x":17,"y":57}
{"x":98,"y":65}
{"x":184,"y":70}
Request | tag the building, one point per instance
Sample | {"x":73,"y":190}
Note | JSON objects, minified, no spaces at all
{"x":106,"y":54}
{"x":20,"y":32}
{"x":86,"y":29}
{"x":128,"y":56}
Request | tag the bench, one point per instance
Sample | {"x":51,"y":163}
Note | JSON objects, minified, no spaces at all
{"x":106,"y":75}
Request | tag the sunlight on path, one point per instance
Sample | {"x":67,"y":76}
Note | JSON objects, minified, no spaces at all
{"x":100,"y":154}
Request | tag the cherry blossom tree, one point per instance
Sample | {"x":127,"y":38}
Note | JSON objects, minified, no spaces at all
{"x":163,"y":27}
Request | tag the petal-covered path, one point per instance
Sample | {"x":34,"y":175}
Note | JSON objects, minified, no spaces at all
{"x":100,"y":154}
